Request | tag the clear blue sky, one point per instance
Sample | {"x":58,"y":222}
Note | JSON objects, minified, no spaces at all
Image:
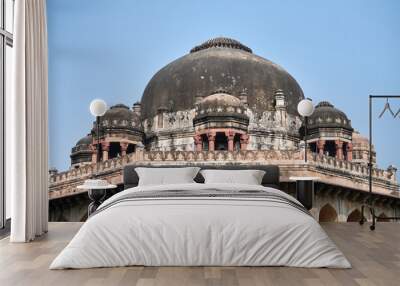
{"x":339,"y":51}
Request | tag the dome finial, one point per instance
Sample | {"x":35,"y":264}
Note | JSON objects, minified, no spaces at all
{"x":221,"y":90}
{"x":119,"y":105}
{"x":221,"y":42}
{"x":325,"y":103}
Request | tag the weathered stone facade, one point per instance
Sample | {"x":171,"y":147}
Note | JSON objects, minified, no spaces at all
{"x":222,"y":104}
{"x":342,"y":185}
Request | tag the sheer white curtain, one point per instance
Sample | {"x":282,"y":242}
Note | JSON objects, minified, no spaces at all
{"x":26,"y":122}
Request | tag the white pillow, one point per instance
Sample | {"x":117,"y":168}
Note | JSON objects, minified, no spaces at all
{"x":166,"y":176}
{"x":248,"y":177}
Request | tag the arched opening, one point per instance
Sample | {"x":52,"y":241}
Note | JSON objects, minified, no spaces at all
{"x":327,"y":214}
{"x":131,"y":149}
{"x":115,"y":150}
{"x":344,"y":151}
{"x":354,"y":216}
{"x":330,"y":148}
{"x":383,"y":218}
{"x":221,"y":142}
{"x":236,"y":142}
{"x":204,"y":141}
{"x":313,"y":147}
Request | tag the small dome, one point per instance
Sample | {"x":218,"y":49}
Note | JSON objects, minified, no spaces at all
{"x":221,"y":100}
{"x":82,"y":151}
{"x":361,"y":149}
{"x":87,"y":140}
{"x":120,"y":116}
{"x":220,"y":103}
{"x":118,"y":111}
{"x":357,"y":137}
{"x":361,"y":141}
{"x":221,"y":109}
{"x":326,"y":115}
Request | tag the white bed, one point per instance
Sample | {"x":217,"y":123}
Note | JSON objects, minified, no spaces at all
{"x":225,"y":225}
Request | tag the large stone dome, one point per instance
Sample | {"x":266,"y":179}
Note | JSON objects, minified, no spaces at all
{"x":219,"y":63}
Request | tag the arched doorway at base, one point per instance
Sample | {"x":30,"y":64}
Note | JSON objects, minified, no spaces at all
{"x":354,"y":216}
{"x":328,"y":214}
{"x":383,"y":218}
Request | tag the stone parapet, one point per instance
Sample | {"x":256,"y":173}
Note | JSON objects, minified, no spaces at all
{"x":330,"y":170}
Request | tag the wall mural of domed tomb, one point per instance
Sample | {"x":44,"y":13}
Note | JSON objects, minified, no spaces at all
{"x":223,"y":104}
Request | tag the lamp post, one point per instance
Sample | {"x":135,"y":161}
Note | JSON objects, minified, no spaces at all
{"x":98,"y":107}
{"x":305,"y":109}
{"x":96,"y":188}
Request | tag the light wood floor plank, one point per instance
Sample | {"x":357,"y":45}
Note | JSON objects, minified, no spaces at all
{"x":375,"y":257}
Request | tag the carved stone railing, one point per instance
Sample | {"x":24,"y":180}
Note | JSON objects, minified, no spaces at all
{"x":358,"y":173}
{"x":290,"y":159}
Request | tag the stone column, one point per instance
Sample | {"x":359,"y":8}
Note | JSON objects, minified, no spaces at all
{"x":211,"y":141}
{"x":339,"y":149}
{"x":244,"y":140}
{"x":106,"y":147}
{"x":124,"y":147}
{"x":198,"y":142}
{"x":94,"y":153}
{"x":320,"y":146}
{"x":349,"y":151}
{"x":231,"y":136}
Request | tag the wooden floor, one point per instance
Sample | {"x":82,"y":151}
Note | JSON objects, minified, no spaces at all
{"x":375,"y":257}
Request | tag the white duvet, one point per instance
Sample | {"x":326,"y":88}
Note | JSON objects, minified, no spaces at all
{"x":188,"y":231}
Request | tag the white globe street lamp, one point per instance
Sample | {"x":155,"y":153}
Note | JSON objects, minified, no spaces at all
{"x":98,"y":107}
{"x":305,"y":109}
{"x":96,"y":187}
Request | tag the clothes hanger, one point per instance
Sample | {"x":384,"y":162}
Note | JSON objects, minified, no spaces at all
{"x":397,"y":113}
{"x":387,"y":107}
